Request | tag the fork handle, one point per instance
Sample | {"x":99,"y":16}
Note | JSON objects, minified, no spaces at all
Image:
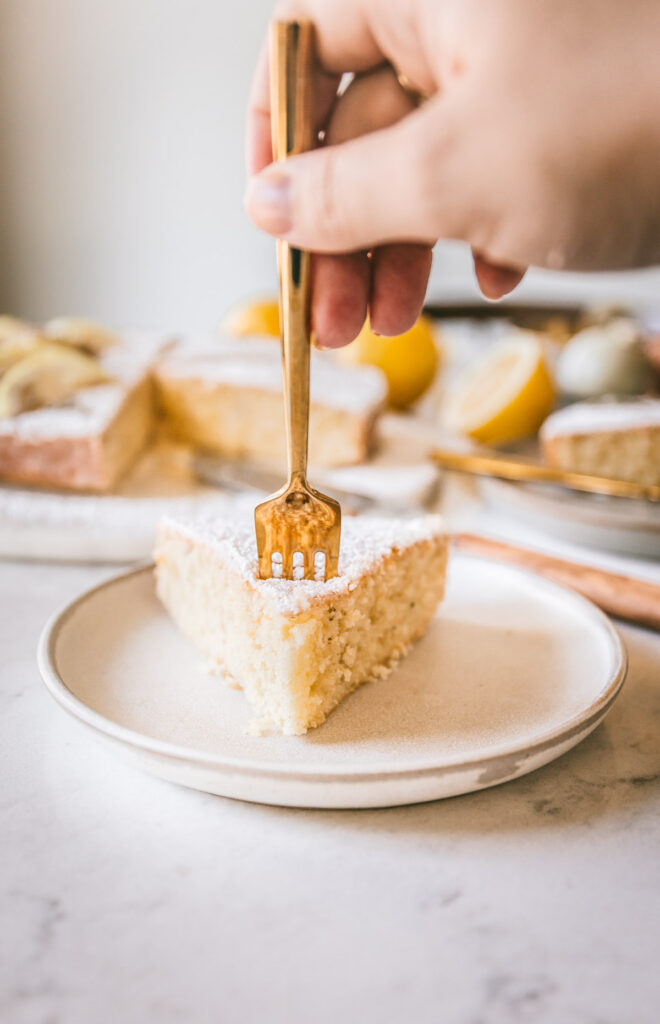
{"x":291,"y":56}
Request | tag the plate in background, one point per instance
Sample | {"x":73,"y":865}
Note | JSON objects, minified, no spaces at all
{"x":622,"y":526}
{"x":513,"y":672}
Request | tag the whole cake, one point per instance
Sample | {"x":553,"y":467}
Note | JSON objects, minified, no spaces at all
{"x":298,"y":647}
{"x":226,"y":397}
{"x":612,"y":439}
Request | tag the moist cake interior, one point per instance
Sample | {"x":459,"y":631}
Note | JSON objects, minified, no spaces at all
{"x":298,"y":647}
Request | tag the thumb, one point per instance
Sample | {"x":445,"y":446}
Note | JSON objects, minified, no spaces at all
{"x":381,"y":187}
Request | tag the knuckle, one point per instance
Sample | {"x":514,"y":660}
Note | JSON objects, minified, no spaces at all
{"x":436,"y":188}
{"x":289,"y":9}
{"x":324,"y":203}
{"x":329,"y":205}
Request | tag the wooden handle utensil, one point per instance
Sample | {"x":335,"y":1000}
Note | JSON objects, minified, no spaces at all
{"x":625,"y":597}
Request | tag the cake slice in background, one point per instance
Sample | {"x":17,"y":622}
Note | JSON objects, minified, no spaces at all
{"x":298,"y":647}
{"x":226,"y":397}
{"x":84,"y":439}
{"x":620,"y":440}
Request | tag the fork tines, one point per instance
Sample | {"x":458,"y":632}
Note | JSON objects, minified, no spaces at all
{"x":298,"y":535}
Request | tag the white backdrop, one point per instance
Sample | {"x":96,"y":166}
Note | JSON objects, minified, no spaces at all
{"x":121,"y":164}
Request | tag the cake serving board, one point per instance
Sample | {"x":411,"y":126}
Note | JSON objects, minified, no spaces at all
{"x":513,"y":672}
{"x":119,"y":527}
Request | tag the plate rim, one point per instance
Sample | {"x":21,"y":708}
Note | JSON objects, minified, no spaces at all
{"x":582,"y":722}
{"x":599,"y":517}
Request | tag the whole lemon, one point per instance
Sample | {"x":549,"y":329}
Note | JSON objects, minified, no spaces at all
{"x":253,"y":317}
{"x":409,"y":361}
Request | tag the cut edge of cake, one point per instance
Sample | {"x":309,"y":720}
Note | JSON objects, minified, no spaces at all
{"x":226,"y":397}
{"x":620,"y":440}
{"x":89,"y":443}
{"x":298,"y":648}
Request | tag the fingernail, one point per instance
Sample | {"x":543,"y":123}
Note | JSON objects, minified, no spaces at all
{"x":268,"y":201}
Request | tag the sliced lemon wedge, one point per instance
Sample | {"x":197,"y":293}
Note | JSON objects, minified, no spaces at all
{"x":506,"y":395}
{"x":17,"y":339}
{"x":257,"y":317}
{"x":47,"y":376}
{"x":409,"y":361}
{"x":80,"y":333}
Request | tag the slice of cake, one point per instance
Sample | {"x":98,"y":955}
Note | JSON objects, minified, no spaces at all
{"x":226,"y":397}
{"x":87,"y":440}
{"x":298,"y":647}
{"x":613,"y":439}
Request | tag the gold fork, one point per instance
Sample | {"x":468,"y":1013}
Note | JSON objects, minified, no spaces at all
{"x":297,"y":520}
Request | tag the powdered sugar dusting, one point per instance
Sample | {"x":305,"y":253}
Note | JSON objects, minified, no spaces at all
{"x":88,"y":412}
{"x":601,"y":417}
{"x":91,"y":409}
{"x":365,"y":541}
{"x":257,"y":363}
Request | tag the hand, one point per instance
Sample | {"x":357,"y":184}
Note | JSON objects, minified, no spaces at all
{"x":539,"y":143}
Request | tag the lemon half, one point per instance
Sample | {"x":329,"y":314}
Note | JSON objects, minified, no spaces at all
{"x":506,"y":395}
{"x":47,"y":376}
{"x":79,"y":333}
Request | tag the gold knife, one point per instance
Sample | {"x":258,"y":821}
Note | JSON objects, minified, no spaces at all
{"x":504,"y":468}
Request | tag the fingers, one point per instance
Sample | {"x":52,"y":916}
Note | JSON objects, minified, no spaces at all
{"x":343,"y":42}
{"x":372,"y":101}
{"x":392,"y":284}
{"x":258,"y":144}
{"x":351,"y":35}
{"x":394,"y":279}
{"x":400,"y":277}
{"x":341,"y":286}
{"x":358,"y":35}
{"x":385,"y":186}
{"x":496,"y":281}
{"x":258,"y":148}
{"x":345,"y":35}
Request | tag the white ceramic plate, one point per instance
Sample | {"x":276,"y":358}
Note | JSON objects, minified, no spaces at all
{"x":620,"y":525}
{"x":513,"y":672}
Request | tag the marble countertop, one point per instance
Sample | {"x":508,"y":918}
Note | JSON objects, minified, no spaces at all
{"x":124,"y":898}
